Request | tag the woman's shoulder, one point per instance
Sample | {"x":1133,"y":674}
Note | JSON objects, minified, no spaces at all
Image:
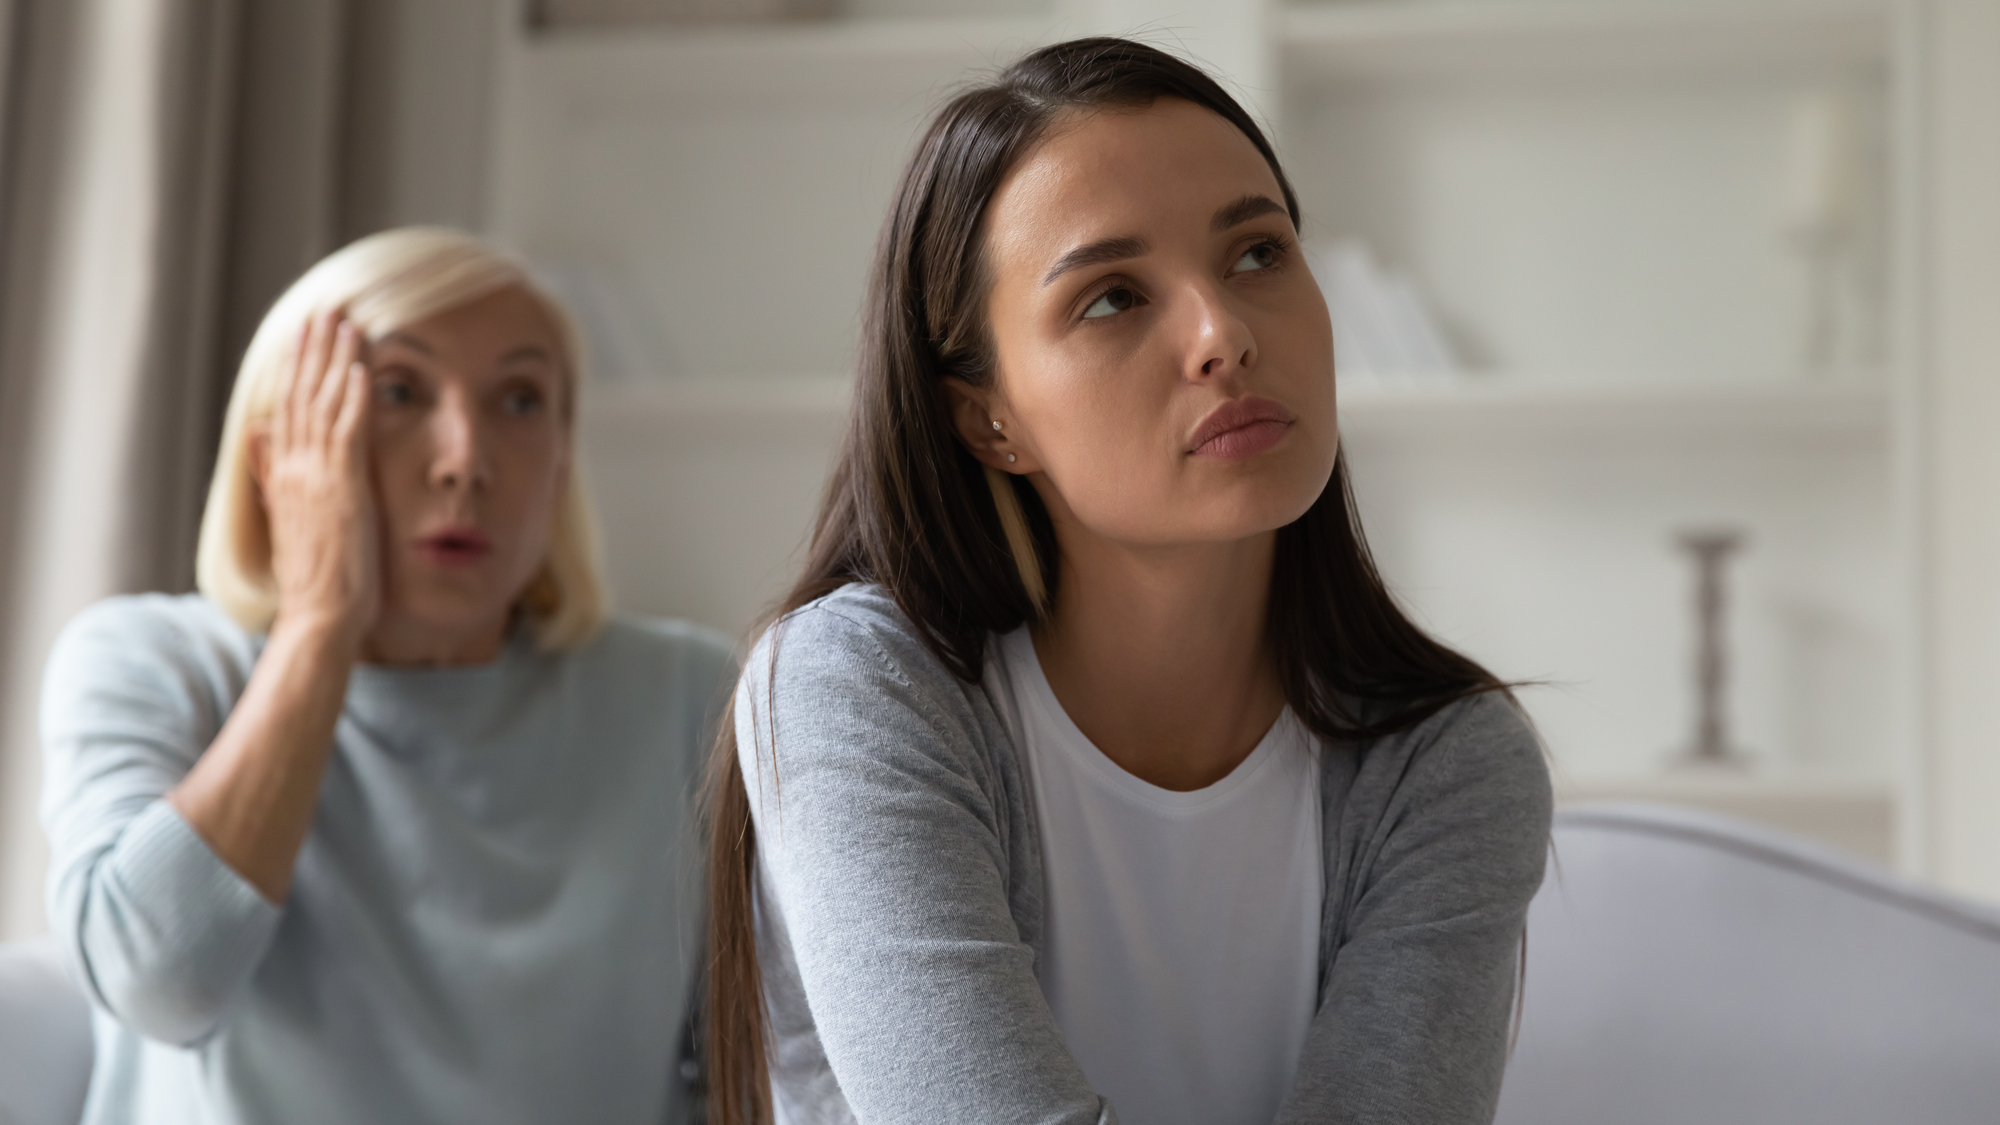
{"x":854,"y":633}
{"x":1475,"y":768}
{"x":846,"y":693}
{"x":157,"y":630}
{"x":647,"y":652}
{"x":626,"y":636}
{"x":156,"y":654}
{"x":1486,"y":734}
{"x":159,"y":619}
{"x":853,"y":656}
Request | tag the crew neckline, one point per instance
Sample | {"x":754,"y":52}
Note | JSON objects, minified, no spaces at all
{"x":1025,"y":665}
{"x":518,"y":645}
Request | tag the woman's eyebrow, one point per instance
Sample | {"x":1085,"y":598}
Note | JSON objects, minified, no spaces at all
{"x":528,"y":351}
{"x":1095,"y":253}
{"x":1243,"y":210}
{"x":408,"y":341}
{"x":1120,"y":248}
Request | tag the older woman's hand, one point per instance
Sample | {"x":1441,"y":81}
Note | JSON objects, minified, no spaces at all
{"x":316,"y":490}
{"x":251,"y":795}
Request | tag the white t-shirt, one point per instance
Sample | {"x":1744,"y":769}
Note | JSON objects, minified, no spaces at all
{"x":1182,"y":957}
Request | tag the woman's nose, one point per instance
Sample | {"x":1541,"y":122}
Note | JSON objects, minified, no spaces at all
{"x":1220,"y":343}
{"x":459,"y":457}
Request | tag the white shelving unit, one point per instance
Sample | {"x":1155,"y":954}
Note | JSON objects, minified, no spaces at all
{"x":1496,"y":414}
{"x":719,"y":67}
{"x":1452,"y":40}
{"x":1765,"y":418}
{"x":1589,"y":190}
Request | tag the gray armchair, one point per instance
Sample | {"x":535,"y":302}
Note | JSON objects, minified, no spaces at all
{"x":45,"y":1046}
{"x":1684,"y":968}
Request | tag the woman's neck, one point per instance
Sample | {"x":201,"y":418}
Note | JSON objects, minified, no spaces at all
{"x":1160,"y":656}
{"x":412,"y":644}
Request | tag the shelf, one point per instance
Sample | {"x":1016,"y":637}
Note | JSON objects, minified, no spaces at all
{"x":1376,"y":40}
{"x":1777,"y":416}
{"x":648,"y":70}
{"x":718,"y":66}
{"x":645,"y":413}
{"x":1842,"y":417}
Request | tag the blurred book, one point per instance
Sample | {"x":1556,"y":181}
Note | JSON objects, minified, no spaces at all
{"x":1383,"y":329}
{"x":613,"y":13}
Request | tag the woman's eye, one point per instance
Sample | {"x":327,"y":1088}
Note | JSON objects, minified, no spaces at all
{"x":1113,"y":301}
{"x":395,"y":394}
{"x":521,"y":401}
{"x":1259,"y":257}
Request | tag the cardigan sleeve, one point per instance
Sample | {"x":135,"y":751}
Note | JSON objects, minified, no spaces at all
{"x":163,"y":933}
{"x":1444,"y":837}
{"x":880,"y":846}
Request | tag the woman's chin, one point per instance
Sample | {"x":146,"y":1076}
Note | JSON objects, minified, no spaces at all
{"x":1260,"y":502}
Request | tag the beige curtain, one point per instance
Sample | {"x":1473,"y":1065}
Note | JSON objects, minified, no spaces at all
{"x":167,"y":167}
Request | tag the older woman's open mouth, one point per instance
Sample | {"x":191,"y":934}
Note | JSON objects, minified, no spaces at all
{"x":455,"y":546}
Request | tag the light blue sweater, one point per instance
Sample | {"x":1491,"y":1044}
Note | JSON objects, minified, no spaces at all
{"x":492,"y":919}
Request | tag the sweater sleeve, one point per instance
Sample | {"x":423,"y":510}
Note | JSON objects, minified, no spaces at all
{"x":1415,"y":1012}
{"x":879,"y":839}
{"x":163,"y":932}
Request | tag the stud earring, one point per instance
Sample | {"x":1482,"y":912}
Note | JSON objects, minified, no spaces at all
{"x":996,"y":423}
{"x":1010,"y":458}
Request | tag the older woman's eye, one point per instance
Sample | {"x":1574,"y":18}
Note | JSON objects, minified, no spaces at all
{"x":1262,"y":256}
{"x":1113,"y":301}
{"x":395,"y":393}
{"x":521,"y":400}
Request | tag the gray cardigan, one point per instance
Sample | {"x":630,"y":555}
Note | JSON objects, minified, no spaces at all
{"x":901,"y":918}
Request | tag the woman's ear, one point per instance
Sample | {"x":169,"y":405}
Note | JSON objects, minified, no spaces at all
{"x":982,"y":426}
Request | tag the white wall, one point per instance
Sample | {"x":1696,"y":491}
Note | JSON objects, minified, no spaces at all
{"x":1560,"y":565}
{"x":418,"y":112}
{"x":717,"y":192}
{"x":1962,"y":335}
{"x":708,"y":497}
{"x":1579,"y":229}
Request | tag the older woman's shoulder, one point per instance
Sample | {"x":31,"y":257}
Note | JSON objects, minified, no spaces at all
{"x":158,"y":629}
{"x":663,"y":634}
{"x":153,"y":654}
{"x":654,"y":647}
{"x":171,"y":619}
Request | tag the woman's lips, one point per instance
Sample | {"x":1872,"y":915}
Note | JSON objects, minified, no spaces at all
{"x":1242,"y":427}
{"x":455,"y":546}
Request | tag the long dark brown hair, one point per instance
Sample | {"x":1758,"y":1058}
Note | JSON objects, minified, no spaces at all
{"x":966,"y":556}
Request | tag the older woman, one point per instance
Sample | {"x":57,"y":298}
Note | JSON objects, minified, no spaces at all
{"x":381,"y":825}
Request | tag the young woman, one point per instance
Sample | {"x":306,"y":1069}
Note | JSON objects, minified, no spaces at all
{"x":380,"y":825}
{"x":1089,"y":764}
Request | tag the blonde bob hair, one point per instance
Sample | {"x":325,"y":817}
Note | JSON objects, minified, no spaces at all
{"x":385,"y":282}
